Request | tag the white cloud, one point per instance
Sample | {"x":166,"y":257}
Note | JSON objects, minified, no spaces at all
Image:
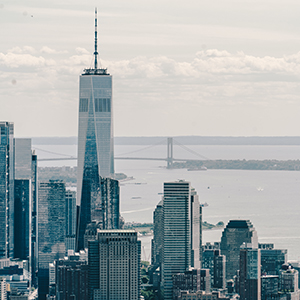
{"x":48,"y":50}
{"x":214,"y":81}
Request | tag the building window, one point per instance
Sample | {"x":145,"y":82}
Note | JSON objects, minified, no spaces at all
{"x":83,"y":105}
{"x":102,"y":105}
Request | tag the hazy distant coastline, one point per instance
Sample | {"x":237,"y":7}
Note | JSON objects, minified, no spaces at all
{"x":185,"y":140}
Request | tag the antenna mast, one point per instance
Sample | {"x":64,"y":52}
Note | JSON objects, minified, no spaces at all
{"x":96,"y":52}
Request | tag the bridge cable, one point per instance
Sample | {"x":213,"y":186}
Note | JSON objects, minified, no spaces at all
{"x":190,"y":150}
{"x":148,"y":147}
{"x":35,"y":148}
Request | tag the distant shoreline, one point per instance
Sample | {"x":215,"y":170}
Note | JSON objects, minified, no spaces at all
{"x":240,"y":164}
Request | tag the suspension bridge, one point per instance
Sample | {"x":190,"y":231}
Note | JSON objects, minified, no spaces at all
{"x":170,"y":159}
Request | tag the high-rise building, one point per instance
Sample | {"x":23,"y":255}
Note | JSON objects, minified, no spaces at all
{"x":25,"y":201}
{"x":70,"y":220}
{"x":187,"y":281}
{"x":34,"y":221}
{"x":272,"y":260}
{"x":216,"y":263}
{"x":71,"y":278}
{"x":51,"y":229}
{"x":158,"y":236}
{"x":22,"y":195}
{"x":6,"y":190}
{"x":249,"y":275}
{"x":114,"y":265}
{"x":105,"y":212}
{"x":288,"y":282}
{"x":181,"y":220}
{"x":95,"y":142}
{"x":269,"y":287}
{"x":234,"y":235}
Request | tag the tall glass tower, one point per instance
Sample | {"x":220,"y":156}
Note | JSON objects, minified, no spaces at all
{"x":95,"y":140}
{"x":6,"y":190}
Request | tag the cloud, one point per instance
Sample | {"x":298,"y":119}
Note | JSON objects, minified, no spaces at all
{"x":13,"y":60}
{"x":48,"y":50}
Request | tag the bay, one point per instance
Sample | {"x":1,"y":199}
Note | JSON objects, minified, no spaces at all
{"x":269,"y":199}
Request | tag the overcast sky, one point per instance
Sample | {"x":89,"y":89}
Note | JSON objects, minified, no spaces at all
{"x":194,"y":67}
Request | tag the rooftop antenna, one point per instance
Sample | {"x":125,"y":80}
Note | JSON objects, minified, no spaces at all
{"x":96,"y":52}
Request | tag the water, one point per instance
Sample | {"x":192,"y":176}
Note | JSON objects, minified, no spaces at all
{"x":269,"y":199}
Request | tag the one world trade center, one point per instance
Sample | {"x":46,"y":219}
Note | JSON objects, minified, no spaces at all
{"x":95,"y":143}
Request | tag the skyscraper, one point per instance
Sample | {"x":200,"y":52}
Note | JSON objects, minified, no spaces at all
{"x":95,"y":140}
{"x":234,"y":235}
{"x":181,"y":219}
{"x":114,"y":265}
{"x":6,"y":190}
{"x":250,"y":281}
{"x":22,"y":195}
{"x":51,"y":229}
{"x":70,"y":220}
{"x":157,"y":247}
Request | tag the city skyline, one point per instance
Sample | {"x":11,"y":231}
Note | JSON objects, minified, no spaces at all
{"x":220,"y":68}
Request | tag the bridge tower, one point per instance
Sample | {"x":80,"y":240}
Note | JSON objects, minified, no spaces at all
{"x":170,"y":153}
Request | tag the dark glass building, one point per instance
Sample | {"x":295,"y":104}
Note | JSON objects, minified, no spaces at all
{"x":71,"y":279}
{"x":216,"y":263}
{"x":6,"y":190}
{"x":158,"y":236}
{"x":22,"y":198}
{"x":272,"y":260}
{"x":105,"y":211}
{"x":51,"y":229}
{"x":70,"y":220}
{"x":234,"y":235}
{"x":249,"y":275}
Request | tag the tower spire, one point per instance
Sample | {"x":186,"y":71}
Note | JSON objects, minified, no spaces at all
{"x":96,"y":52}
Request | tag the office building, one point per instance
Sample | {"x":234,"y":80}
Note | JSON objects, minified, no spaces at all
{"x":71,"y":278}
{"x":181,"y":219}
{"x":234,"y":235}
{"x":249,"y":275}
{"x":51,"y":229}
{"x":3,"y":294}
{"x":70,"y":220}
{"x":34,"y":221}
{"x":272,"y":260}
{"x":6,"y":190}
{"x":22,"y":198}
{"x":114,"y":265}
{"x":269,"y":287}
{"x":186,"y":281}
{"x":216,"y":263}
{"x":288,"y":282}
{"x":95,"y":141}
{"x":105,"y":212}
{"x":25,"y":200}
{"x":158,"y":236}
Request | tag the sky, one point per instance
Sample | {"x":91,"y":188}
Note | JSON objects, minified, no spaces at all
{"x":194,"y":67}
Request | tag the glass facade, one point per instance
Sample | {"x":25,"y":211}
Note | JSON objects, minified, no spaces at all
{"x":51,"y":229}
{"x":181,"y":211}
{"x":6,"y":190}
{"x":70,"y":220}
{"x":234,"y":235}
{"x":22,"y":197}
{"x":95,"y":150}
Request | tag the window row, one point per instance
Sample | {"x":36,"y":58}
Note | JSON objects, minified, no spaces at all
{"x":101,"y":105}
